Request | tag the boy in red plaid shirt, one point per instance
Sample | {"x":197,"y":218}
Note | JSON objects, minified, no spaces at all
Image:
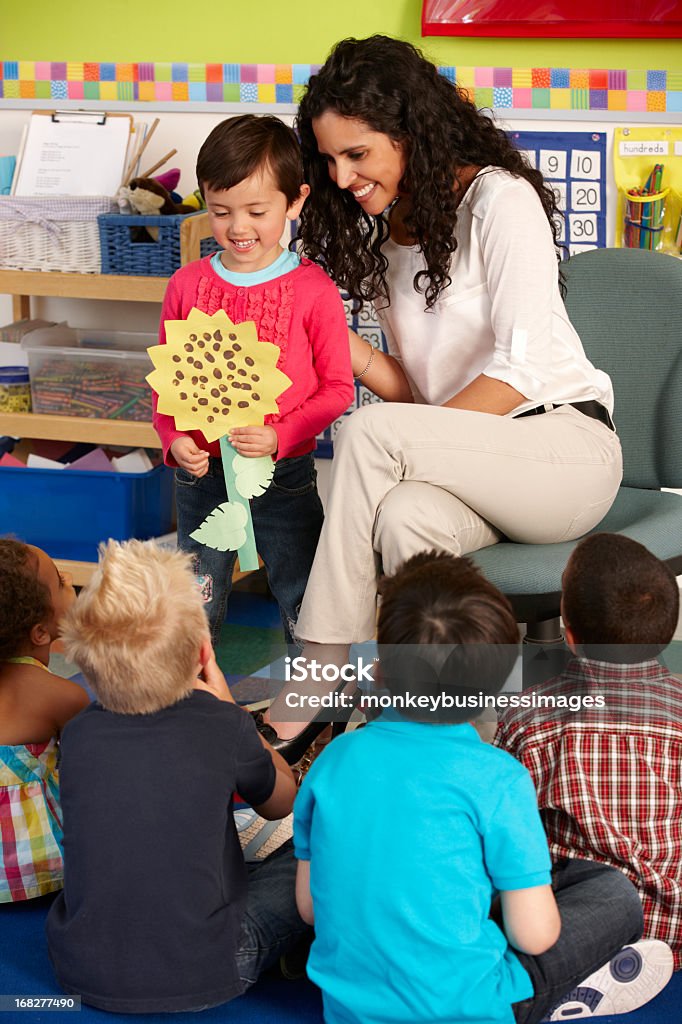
{"x":609,"y":775}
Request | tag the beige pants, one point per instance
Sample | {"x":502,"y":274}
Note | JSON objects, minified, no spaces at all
{"x":408,"y":478}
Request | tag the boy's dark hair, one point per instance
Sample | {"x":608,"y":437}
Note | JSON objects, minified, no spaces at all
{"x":444,"y":628}
{"x":240,"y":146}
{"x":24,"y":600}
{"x":620,"y":601}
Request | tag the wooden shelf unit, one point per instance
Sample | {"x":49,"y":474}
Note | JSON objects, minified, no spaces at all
{"x":77,"y":428}
{"x":22,"y":285}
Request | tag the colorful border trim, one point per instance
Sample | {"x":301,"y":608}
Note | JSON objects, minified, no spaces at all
{"x":497,"y":88}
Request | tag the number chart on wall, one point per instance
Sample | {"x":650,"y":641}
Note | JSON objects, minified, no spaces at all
{"x":574,"y":164}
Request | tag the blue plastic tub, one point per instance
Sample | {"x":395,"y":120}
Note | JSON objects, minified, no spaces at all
{"x":67,"y":512}
{"x":127,"y":248}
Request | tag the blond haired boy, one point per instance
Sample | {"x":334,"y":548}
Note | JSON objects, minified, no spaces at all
{"x":159,"y":911}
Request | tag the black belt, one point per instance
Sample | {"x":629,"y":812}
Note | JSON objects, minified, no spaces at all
{"x":595,"y":410}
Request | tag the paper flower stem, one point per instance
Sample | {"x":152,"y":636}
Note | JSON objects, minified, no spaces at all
{"x":247,"y":554}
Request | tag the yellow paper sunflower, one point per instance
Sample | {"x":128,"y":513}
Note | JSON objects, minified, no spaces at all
{"x":213,"y":375}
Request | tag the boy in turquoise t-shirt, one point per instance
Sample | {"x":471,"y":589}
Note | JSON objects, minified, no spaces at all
{"x":408,"y":829}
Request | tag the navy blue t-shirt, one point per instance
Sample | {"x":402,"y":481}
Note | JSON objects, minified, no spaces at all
{"x":154,"y":879}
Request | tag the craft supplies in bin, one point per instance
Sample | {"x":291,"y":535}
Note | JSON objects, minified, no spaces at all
{"x":90,"y":373}
{"x":148,"y":246}
{"x":52,"y":233}
{"x":68,"y":512}
{"x":15,"y":391}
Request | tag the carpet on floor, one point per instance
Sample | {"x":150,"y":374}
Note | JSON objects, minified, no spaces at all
{"x":25,"y":971}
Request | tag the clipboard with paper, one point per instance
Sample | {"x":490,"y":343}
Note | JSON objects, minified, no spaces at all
{"x":73,"y":153}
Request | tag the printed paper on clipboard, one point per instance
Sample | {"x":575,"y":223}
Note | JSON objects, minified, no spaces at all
{"x":73,"y":154}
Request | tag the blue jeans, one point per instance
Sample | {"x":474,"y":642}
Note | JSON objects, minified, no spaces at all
{"x":271,"y":923}
{"x":287,"y":520}
{"x":600,"y":913}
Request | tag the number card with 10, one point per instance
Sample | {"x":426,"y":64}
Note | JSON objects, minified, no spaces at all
{"x":574,"y":165}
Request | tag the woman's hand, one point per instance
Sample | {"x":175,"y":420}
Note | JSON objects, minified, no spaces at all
{"x":189,"y":457}
{"x":254,"y":442}
{"x":487,"y":394}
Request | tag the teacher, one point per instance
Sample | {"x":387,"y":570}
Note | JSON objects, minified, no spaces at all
{"x":494,"y":423}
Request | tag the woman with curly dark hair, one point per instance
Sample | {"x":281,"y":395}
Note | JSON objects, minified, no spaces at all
{"x":494,"y":422}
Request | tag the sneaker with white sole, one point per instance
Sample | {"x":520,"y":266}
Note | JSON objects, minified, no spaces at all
{"x":630,"y":979}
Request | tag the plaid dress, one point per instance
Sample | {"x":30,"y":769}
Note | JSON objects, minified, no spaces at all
{"x":609,"y":781}
{"x":30,"y":822}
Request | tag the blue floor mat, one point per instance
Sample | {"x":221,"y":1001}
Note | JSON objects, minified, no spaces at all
{"x":25,"y":971}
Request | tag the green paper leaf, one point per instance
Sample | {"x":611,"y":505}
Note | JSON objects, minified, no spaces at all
{"x":252,"y":476}
{"x":223,"y":529}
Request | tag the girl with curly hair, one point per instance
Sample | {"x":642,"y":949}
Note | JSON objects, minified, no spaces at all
{"x":493,"y":422}
{"x":35,"y":705}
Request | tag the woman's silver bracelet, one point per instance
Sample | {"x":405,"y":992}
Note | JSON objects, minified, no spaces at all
{"x":369,"y":362}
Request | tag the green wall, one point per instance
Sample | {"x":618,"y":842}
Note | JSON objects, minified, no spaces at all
{"x":274,"y":31}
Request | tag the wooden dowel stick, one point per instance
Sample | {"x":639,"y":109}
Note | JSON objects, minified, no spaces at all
{"x":159,"y":163}
{"x":142,"y":145}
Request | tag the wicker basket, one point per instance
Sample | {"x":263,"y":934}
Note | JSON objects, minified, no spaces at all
{"x":148,"y":246}
{"x":46,"y":233}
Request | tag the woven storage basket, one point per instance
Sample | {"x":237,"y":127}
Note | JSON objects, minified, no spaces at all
{"x":52,"y":233}
{"x":128,"y":249}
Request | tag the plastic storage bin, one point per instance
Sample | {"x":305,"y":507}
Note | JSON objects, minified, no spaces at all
{"x":127,"y":246}
{"x":90,"y":373}
{"x":67,"y":512}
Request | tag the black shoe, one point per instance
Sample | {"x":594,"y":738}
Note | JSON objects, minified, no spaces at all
{"x":293,"y":749}
{"x":266,"y":731}
{"x":292,"y":964}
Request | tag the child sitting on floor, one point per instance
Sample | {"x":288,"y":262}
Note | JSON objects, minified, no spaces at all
{"x":159,"y":912}
{"x":400,"y":881}
{"x":34,"y":707}
{"x":609,"y":776}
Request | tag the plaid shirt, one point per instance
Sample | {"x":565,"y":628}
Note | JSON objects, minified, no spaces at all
{"x":609,"y":781}
{"x":30,"y":822}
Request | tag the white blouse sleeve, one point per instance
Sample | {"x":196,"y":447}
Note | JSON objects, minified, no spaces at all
{"x":521,"y":272}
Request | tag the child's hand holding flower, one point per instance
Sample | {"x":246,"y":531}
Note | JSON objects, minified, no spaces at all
{"x":189,"y":456}
{"x":254,"y":442}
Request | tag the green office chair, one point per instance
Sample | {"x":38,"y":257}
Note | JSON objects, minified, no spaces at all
{"x":626,"y":305}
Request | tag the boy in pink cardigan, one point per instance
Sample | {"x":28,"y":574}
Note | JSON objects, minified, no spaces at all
{"x":250,"y":173}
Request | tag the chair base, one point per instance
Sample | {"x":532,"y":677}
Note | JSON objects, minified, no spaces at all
{"x":544,"y":652}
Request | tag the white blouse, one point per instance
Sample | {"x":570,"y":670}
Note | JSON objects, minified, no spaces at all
{"x":502,"y":315}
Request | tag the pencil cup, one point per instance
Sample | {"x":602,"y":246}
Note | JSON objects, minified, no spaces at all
{"x":644,"y":220}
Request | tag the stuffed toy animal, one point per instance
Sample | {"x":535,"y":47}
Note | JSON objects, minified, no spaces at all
{"x":148,"y":197}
